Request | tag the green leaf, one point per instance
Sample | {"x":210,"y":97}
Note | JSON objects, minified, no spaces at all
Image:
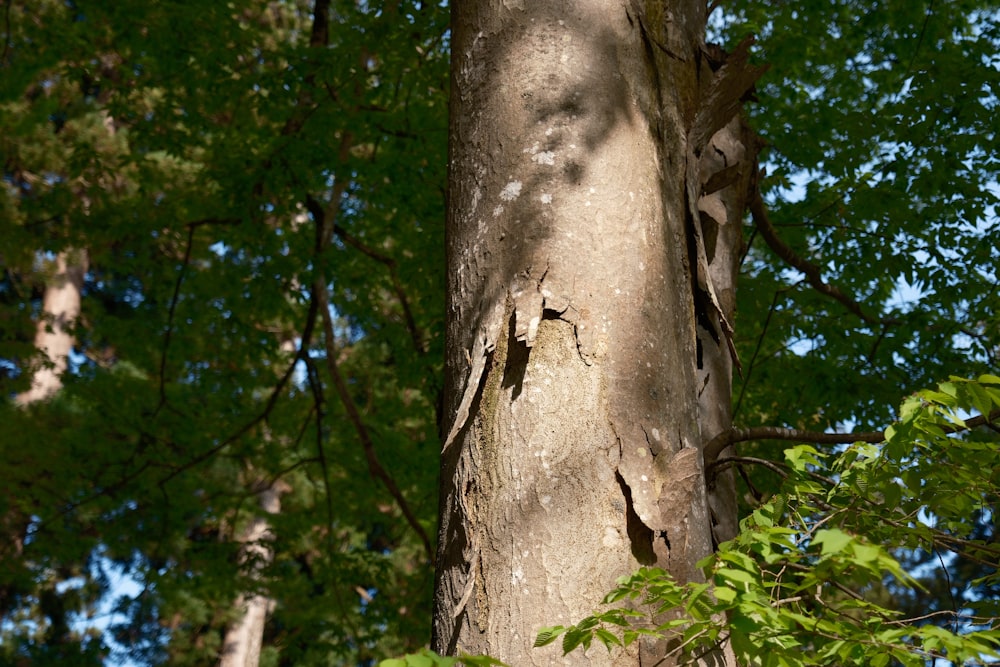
{"x":866,"y":553}
{"x":607,"y":638}
{"x":741,"y":576}
{"x":481,"y":661}
{"x":832,"y":540}
{"x":548,"y":635}
{"x":724,"y":593}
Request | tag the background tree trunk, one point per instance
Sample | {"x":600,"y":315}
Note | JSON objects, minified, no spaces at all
{"x":574,"y":451}
{"x":54,"y":340}
{"x":54,"y":336}
{"x":244,"y":639}
{"x":720,"y":217}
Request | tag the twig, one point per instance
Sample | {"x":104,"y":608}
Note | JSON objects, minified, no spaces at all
{"x":756,"y":351}
{"x":318,"y":400}
{"x":721,"y":464}
{"x":302,"y":355}
{"x":320,"y":215}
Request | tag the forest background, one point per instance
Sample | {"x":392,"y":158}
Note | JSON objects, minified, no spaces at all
{"x":248,"y":199}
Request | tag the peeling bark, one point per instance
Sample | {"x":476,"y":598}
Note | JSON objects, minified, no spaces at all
{"x":726,"y":170}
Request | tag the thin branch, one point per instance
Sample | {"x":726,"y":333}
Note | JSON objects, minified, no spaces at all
{"x":965,"y":618}
{"x":812,"y":272}
{"x":756,"y":351}
{"x":316,"y":209}
{"x":717,"y":444}
{"x":374,"y":465}
{"x":318,"y":401}
{"x":680,"y":647}
{"x":170,"y":315}
{"x":326,"y":228}
{"x":798,"y":567}
{"x":951,"y":589}
{"x":302,"y":355}
{"x":722,"y":464}
{"x":6,"y":40}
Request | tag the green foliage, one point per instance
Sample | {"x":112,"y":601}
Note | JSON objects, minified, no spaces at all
{"x":804,"y":582}
{"x":880,"y":121}
{"x":179,"y":145}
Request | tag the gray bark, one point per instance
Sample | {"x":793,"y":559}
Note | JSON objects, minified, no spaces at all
{"x":578,"y":269}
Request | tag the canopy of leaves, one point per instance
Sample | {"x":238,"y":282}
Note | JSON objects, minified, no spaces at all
{"x":221,"y":164}
{"x":881,"y":126}
{"x":880,"y":177}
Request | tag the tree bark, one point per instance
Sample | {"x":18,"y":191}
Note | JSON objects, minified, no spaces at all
{"x":720,"y":216}
{"x":573,"y":379}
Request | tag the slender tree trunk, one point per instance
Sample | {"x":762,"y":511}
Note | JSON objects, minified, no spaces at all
{"x":53,"y":335}
{"x":578,"y":278}
{"x":54,"y":340}
{"x":720,"y":216}
{"x":244,"y":639}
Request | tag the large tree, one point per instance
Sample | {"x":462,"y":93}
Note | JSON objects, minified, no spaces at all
{"x":599,"y":170}
{"x":599,"y":175}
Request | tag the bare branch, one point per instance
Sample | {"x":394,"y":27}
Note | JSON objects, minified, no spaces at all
{"x":374,"y":465}
{"x":812,"y":272}
{"x":717,"y":444}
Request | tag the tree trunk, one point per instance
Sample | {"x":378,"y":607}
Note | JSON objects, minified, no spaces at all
{"x":578,"y":142}
{"x":53,"y":335}
{"x":242,"y":644}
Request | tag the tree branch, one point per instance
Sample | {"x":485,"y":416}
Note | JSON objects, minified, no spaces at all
{"x":316,"y":209}
{"x":812,"y":272}
{"x":719,"y":443}
{"x":312,"y":373}
{"x":170,"y":315}
{"x":374,"y":465}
